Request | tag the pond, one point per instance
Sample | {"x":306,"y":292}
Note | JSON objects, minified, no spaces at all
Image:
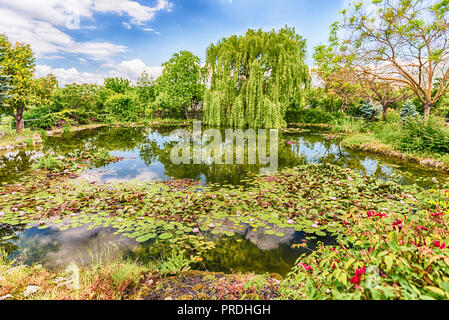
{"x":145,"y":156}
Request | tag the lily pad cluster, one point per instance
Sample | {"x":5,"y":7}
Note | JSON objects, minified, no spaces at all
{"x":311,"y":198}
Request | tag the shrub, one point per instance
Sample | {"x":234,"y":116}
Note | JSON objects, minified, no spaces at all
{"x":382,"y":255}
{"x":124,"y":107}
{"x":370,"y":111}
{"x":408,"y":110}
{"x":392,"y":116}
{"x":313,"y":116}
{"x":431,"y":136}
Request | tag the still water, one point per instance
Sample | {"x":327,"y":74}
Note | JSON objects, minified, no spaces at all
{"x":145,"y":154}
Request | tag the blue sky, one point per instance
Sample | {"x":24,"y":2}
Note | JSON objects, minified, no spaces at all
{"x":123,"y":37}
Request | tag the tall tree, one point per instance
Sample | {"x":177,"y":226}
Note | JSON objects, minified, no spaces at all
{"x":254,"y":78}
{"x":405,"y":42}
{"x":44,"y":88}
{"x":333,"y":68}
{"x":180,"y":83}
{"x":146,"y":90}
{"x":18,"y":64}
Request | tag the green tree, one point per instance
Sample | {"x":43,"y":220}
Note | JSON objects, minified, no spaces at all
{"x":254,"y":78}
{"x":146,"y":90}
{"x":180,"y":83}
{"x":404,"y":42}
{"x":118,"y":85}
{"x":124,"y":107}
{"x":75,"y":97}
{"x":408,"y":110}
{"x":18,"y":64}
{"x":43,"y":89}
{"x":333,"y":68}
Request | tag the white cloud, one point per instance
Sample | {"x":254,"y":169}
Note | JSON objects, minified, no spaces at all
{"x":130,"y":69}
{"x":151,"y":30}
{"x":57,"y":12}
{"x":68,"y":76}
{"x":135,"y":10}
{"x":41,"y":23}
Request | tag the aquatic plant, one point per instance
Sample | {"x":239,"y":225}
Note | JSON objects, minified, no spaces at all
{"x":382,"y":255}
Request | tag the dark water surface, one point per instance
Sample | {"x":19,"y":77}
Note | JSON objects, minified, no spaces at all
{"x":146,"y":156}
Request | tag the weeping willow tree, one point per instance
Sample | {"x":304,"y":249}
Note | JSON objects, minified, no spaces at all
{"x":255,"y":78}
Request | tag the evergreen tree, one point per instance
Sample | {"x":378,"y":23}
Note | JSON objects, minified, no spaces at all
{"x":408,"y":110}
{"x":4,"y":84}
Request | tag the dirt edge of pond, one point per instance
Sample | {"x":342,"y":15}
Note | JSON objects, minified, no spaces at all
{"x":202,"y":285}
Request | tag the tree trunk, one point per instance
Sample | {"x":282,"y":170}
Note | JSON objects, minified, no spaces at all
{"x":427,"y":108}
{"x":384,"y":113}
{"x":185,"y":110}
{"x":19,"y":119}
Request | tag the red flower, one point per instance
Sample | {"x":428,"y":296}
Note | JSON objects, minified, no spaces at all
{"x":374,"y":214}
{"x":423,"y":228}
{"x":440,"y":245}
{"x":358,"y":273}
{"x":334,"y":263}
{"x":355,"y":280}
{"x":305,"y":266}
{"x":370,"y":213}
{"x":436,"y":214}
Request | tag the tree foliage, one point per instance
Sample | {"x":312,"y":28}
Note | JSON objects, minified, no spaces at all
{"x":254,"y":78}
{"x":401,"y":41}
{"x":118,"y":85}
{"x":408,"y":110}
{"x":43,"y":89}
{"x":18,"y":64}
{"x":146,"y":91}
{"x":179,"y":85}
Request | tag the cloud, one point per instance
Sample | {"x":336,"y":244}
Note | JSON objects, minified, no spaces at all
{"x":42,"y":24}
{"x":130,"y":69}
{"x":135,"y":10}
{"x":151,"y":30}
{"x":70,"y":75}
{"x":57,"y":12}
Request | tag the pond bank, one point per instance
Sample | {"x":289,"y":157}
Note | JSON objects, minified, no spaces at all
{"x":356,"y":142}
{"x":368,"y":143}
{"x":126,"y":280}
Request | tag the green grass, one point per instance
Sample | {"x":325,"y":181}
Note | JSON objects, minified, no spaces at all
{"x":383,"y":137}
